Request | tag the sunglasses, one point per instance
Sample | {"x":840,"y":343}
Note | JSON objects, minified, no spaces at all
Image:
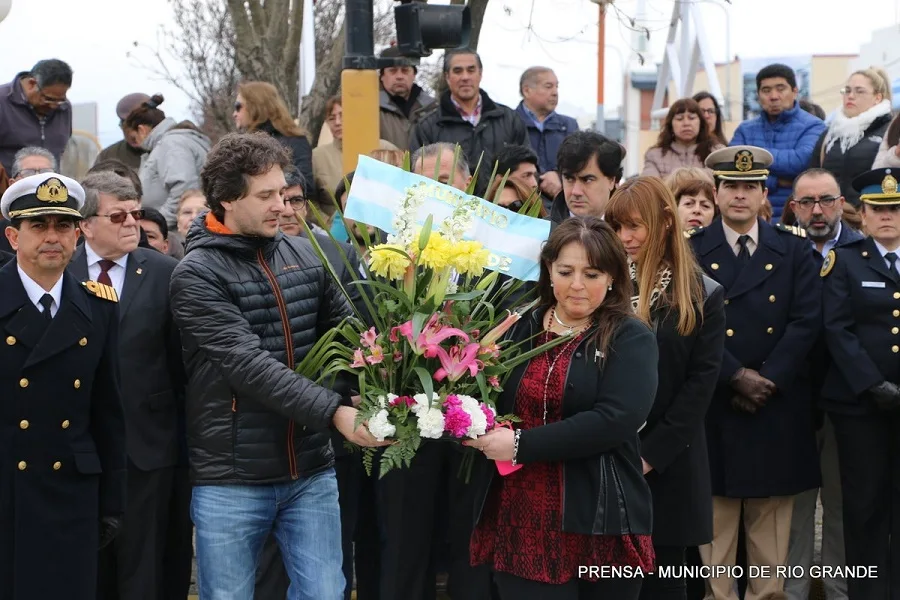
{"x":120,"y":217}
{"x":238,"y":106}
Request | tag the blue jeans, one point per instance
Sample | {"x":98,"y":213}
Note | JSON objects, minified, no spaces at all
{"x":233,"y":522}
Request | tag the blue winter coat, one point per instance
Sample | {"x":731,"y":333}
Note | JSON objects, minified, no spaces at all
{"x":546,"y":143}
{"x":791,"y":139}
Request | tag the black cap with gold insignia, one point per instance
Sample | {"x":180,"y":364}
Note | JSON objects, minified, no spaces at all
{"x":740,"y":163}
{"x":878,"y":187}
{"x":42,"y":194}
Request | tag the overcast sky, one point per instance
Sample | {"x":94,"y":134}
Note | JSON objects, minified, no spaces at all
{"x":95,"y":37}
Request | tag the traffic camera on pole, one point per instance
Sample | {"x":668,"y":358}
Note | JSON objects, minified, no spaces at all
{"x":422,"y":28}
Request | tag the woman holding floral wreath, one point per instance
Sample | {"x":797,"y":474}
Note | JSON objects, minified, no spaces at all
{"x":579,"y":498}
{"x":687,"y":313}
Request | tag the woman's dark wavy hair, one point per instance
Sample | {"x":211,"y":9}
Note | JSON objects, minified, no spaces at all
{"x":233,"y":161}
{"x":666,"y":137}
{"x":719,"y":132}
{"x":605,"y":253}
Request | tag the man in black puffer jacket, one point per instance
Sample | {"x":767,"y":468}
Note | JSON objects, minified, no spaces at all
{"x":467,"y":116}
{"x":250,"y":304}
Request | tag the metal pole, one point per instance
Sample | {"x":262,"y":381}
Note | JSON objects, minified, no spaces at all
{"x":359,"y":84}
{"x":600,"y":126}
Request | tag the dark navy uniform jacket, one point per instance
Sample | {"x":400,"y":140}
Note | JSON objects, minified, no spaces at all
{"x":861,"y":309}
{"x":772,"y":319}
{"x":62,"y":439}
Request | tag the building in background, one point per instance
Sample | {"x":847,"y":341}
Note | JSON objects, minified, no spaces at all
{"x":883,"y":50}
{"x":83,"y":146}
{"x":819,"y":78}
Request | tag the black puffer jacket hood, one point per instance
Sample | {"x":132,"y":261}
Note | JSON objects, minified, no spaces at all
{"x":250,"y":309}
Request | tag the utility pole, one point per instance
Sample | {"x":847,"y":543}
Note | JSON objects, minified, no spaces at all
{"x":600,"y":125}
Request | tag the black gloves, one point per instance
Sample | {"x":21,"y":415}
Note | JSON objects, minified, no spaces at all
{"x":109,"y":527}
{"x":886,"y":395}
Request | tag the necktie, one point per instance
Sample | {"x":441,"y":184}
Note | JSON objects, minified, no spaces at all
{"x":105,"y":266}
{"x":743,"y":255}
{"x":892,"y":259}
{"x":45,"y":301}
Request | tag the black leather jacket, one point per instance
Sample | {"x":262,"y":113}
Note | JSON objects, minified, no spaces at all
{"x":249,"y":310}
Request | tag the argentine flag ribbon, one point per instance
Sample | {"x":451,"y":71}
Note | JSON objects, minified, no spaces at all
{"x":514,"y":240}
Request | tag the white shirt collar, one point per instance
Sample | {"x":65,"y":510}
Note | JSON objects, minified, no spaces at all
{"x":93,"y":258}
{"x":731,"y":236}
{"x":884,"y":250}
{"x":36,"y":292}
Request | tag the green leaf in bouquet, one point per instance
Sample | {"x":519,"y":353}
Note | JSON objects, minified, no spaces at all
{"x":499,"y":192}
{"x":426,"y":233}
{"x":425,"y":379}
{"x":407,"y":164}
{"x":368,"y":460}
{"x":314,"y":361}
{"x":391,"y":291}
{"x":483,"y":386}
{"x":470,"y":190}
{"x":418,"y":322}
{"x":472,"y":295}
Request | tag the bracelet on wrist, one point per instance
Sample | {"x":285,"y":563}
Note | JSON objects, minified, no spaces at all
{"x":516,"y":437}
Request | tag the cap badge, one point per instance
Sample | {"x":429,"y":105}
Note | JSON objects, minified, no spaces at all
{"x":743,"y":161}
{"x":53,"y":190}
{"x":889,"y":185}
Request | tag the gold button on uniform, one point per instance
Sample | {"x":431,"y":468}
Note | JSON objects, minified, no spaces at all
{"x":715,"y":266}
{"x":896,"y":295}
{"x":895,"y":330}
{"x":57,"y":466}
{"x":10,"y":341}
{"x":772,"y":298}
{"x":82,"y":342}
{"x":23,"y":424}
{"x":65,"y":424}
{"x":895,"y":349}
{"x":770,"y":330}
{"x":77,"y":383}
{"x":896,"y":313}
{"x":729,"y":332}
{"x":23,"y":383}
{"x":23,"y":465}
{"x":769,"y":267}
{"x":727,"y":301}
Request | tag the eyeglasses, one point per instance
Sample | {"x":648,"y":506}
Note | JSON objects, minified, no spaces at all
{"x":30,"y":172}
{"x":295,"y":200}
{"x":120,"y":217}
{"x":238,"y":106}
{"x":824,"y":202}
{"x":50,"y":100}
{"x":708,"y":111}
{"x":857,"y":91}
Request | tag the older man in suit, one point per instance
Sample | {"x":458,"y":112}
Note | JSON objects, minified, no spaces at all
{"x":152,"y":379}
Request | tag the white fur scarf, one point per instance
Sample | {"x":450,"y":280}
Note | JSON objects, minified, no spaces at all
{"x":849,"y":130}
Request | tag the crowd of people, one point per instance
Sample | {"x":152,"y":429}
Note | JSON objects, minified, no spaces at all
{"x":733,"y":324}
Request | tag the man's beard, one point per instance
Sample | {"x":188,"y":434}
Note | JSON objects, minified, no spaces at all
{"x":819,"y":231}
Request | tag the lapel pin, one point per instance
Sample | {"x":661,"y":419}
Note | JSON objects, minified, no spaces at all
{"x":139,"y":271}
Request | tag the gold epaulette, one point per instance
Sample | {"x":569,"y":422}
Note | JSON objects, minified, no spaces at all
{"x":798,"y":231}
{"x":689,"y":233}
{"x":101,"y":290}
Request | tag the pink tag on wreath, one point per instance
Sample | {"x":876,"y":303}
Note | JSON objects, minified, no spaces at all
{"x":505,"y":467}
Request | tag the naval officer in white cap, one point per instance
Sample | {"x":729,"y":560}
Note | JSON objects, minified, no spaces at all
{"x":62,"y":431}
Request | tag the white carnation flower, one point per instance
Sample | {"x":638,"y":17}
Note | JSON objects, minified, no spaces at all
{"x":422,"y":402}
{"x":383,"y":402}
{"x":380,"y":427}
{"x":473,"y":409}
{"x":431,"y":423}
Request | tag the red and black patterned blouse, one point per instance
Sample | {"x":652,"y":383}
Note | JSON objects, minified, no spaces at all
{"x":520,"y":531}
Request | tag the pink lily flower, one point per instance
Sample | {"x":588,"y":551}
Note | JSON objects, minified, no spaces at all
{"x":455,"y":363}
{"x":493,"y":381}
{"x":368,"y":338}
{"x":377,"y":355}
{"x":431,"y":337}
{"x":497,"y":332}
{"x":358,"y":359}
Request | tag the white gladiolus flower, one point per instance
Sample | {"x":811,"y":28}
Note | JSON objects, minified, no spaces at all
{"x":380,"y":427}
{"x":431,"y":423}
